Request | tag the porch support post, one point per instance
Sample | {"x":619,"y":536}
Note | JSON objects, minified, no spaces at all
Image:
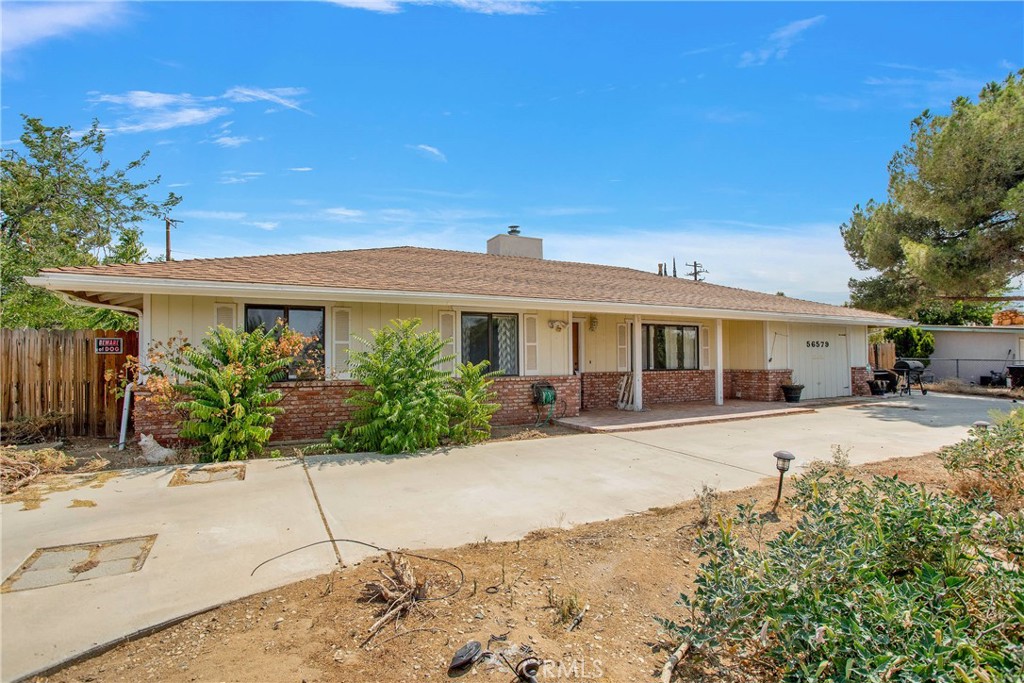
{"x":638,"y":364}
{"x":719,"y":374}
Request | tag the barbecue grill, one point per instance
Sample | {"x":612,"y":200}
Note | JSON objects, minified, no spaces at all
{"x":909,"y":372}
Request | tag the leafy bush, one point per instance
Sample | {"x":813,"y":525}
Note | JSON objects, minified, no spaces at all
{"x":229,"y":403}
{"x":409,"y":402}
{"x":879,"y":581}
{"x":912,"y":342}
{"x":991,"y":462}
{"x":472,"y":402}
{"x":405,"y":406}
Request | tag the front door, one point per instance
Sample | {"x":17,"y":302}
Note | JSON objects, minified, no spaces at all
{"x":575,"y":348}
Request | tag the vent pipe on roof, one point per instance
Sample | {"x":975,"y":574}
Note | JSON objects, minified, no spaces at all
{"x":514,"y":244}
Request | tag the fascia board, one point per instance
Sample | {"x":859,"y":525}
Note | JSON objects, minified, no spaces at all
{"x":69,"y":282}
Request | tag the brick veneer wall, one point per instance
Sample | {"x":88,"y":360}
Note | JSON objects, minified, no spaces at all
{"x":313,"y":407}
{"x":601,"y":389}
{"x":859,"y":381}
{"x":755,"y":385}
{"x":677,"y":386}
{"x":159,"y":420}
{"x":515,"y":394}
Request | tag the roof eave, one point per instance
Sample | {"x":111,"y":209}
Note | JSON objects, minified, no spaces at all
{"x":75,"y":284}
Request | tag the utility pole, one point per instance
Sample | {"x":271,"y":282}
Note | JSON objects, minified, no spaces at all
{"x":168,"y":222}
{"x":698,"y":270}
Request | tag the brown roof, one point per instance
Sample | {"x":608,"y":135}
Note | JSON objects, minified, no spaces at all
{"x":436,"y":271}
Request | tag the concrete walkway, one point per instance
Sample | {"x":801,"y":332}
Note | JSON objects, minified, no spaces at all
{"x":209,"y":537}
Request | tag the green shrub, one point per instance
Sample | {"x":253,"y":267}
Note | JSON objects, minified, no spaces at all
{"x":990,"y":461}
{"x":472,"y":402}
{"x":879,"y":581}
{"x":912,"y":342}
{"x":227,"y":397}
{"x":405,"y":406}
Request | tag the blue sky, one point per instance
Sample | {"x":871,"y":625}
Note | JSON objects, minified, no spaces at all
{"x":737,"y":134}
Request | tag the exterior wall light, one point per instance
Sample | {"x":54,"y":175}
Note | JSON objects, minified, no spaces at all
{"x":783,"y":459}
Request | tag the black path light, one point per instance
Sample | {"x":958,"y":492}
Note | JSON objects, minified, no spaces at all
{"x":782,"y":462}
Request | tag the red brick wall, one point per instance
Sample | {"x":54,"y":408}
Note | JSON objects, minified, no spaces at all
{"x":756,"y":385}
{"x":311,"y":408}
{"x":859,"y":381}
{"x":601,"y":389}
{"x":516,"y":398}
{"x":677,"y":386}
{"x":159,"y":420}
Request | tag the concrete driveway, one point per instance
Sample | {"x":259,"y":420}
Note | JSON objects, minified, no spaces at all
{"x":210,"y":536}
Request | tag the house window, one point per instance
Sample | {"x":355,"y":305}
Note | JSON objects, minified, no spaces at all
{"x":309,"y":322}
{"x":671,"y":347}
{"x":493,"y":337}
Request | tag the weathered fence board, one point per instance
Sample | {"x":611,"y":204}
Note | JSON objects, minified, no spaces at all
{"x":58,"y":371}
{"x":882,"y":356}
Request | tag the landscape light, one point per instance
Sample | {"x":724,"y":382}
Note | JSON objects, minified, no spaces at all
{"x":782,"y":462}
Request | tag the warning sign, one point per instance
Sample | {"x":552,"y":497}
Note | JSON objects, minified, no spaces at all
{"x":109,"y":345}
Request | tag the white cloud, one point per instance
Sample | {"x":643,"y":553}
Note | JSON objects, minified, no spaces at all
{"x":28,"y":23}
{"x":476,"y":6}
{"x":235,"y":178}
{"x":214,"y":215}
{"x":263,"y":225}
{"x":430,"y":152}
{"x":285,"y":97}
{"x":778,"y":43}
{"x":301,"y":169}
{"x":166,"y":119}
{"x":231,"y":141}
{"x":144,"y":111}
{"x":178,"y":184}
{"x":342,"y":214}
{"x":145,"y":99}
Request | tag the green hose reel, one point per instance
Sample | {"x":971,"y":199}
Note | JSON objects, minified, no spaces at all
{"x":544,"y":394}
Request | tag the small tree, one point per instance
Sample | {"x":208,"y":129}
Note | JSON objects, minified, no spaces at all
{"x":472,"y":402}
{"x":229,"y":405}
{"x":911,"y":342}
{"x":406,"y":405}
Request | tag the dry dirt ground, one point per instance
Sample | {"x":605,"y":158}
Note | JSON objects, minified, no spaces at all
{"x":628,"y":571}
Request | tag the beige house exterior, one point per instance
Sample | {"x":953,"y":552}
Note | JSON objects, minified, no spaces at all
{"x":584,"y":328}
{"x":973,"y":353}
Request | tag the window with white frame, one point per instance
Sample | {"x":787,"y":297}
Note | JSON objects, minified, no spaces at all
{"x":671,"y":347}
{"x":492,"y":337}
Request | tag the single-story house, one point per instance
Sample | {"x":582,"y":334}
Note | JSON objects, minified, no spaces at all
{"x":973,"y":353}
{"x":581,"y":327}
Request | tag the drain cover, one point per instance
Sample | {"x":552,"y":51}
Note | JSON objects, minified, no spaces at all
{"x":206,"y":474}
{"x":78,"y":562}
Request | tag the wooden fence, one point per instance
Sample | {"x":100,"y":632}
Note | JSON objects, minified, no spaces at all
{"x":882,"y":356}
{"x":59,"y":371}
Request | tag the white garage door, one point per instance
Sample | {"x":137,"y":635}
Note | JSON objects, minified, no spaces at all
{"x":820,"y":360}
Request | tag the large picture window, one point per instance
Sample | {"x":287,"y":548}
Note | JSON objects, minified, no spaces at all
{"x":671,"y":347}
{"x":493,"y":337}
{"x":307,"y":321}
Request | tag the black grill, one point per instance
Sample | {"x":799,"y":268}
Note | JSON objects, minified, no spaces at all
{"x":909,"y":372}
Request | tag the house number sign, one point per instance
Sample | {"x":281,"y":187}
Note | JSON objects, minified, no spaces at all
{"x":817,"y":344}
{"x":109,"y":345}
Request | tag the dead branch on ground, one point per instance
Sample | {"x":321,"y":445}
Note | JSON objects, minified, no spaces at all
{"x":400,"y":592}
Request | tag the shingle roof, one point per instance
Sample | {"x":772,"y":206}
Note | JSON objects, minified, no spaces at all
{"x":436,"y":271}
